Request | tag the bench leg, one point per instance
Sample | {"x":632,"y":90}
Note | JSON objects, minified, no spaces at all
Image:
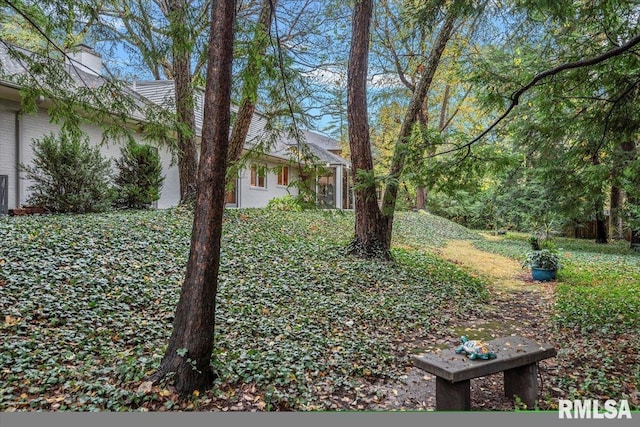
{"x":522,"y":382}
{"x":453,"y":396}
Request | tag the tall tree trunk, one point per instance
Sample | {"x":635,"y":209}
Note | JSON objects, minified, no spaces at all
{"x":635,"y":233}
{"x":423,"y":118}
{"x":190,"y":347}
{"x":369,"y":233}
{"x":601,"y":224}
{"x":615,"y":218}
{"x":421,"y":197}
{"x":624,"y":155}
{"x":182,"y":46}
{"x":444,"y":108}
{"x":251,"y":80}
{"x":400,"y":151}
{"x":421,"y":192}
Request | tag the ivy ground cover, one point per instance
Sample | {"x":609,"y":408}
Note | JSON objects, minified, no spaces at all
{"x":87,"y":307}
{"x":597,"y":316}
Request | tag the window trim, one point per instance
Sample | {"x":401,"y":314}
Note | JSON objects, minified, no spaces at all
{"x":258,"y":172}
{"x":283,"y":176}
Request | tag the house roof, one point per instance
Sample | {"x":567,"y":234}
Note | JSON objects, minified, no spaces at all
{"x":323,"y":141}
{"x":162,"y":92}
{"x":326,"y":156}
{"x":316,"y":144}
{"x":17,"y":72}
{"x":13,"y":66}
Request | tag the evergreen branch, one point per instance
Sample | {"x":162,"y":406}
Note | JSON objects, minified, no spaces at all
{"x":285,"y":87}
{"x":515,"y":97}
{"x":616,"y":102}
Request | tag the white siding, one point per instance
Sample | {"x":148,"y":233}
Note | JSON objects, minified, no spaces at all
{"x":31,"y":127}
{"x":8,"y":149}
{"x":170,"y":193}
{"x":251,"y":197}
{"x":36,"y":126}
{"x":339,"y":189}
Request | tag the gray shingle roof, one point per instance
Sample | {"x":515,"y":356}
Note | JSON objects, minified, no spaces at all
{"x":17,"y":71}
{"x":162,"y":93}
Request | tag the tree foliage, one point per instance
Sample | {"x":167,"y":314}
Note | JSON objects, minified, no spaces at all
{"x":139,"y":177}
{"x":573,"y":119}
{"x":68,"y":175}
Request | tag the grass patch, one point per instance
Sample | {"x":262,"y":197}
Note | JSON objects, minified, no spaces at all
{"x":599,"y":285}
{"x":87,"y":304}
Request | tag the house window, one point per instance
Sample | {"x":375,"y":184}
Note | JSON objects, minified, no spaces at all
{"x":259,"y":176}
{"x":327,"y":189}
{"x":283,"y":176}
{"x":231,"y":197}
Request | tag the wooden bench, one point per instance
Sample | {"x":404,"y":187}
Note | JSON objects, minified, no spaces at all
{"x":517,"y":358}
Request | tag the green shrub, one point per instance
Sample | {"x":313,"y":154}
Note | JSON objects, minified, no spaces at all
{"x":285,"y":203}
{"x":139,"y":179}
{"x":68,"y":175}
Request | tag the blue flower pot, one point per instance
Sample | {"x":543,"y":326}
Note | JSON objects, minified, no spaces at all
{"x":543,"y":275}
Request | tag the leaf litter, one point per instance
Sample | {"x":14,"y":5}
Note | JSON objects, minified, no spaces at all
{"x":90,"y":301}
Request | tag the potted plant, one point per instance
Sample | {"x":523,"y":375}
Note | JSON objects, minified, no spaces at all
{"x":543,"y":261}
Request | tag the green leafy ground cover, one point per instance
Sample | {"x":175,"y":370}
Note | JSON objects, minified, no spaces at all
{"x":422,"y":229}
{"x":597,"y":316}
{"x":599,"y":287}
{"x":87,"y":304}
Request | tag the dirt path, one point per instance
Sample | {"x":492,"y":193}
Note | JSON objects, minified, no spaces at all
{"x":518,"y":306}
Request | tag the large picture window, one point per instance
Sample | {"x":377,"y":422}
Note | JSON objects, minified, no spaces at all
{"x":283,"y":176}
{"x":259,"y":176}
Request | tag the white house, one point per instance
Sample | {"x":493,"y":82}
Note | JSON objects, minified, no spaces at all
{"x":265,"y":176}
{"x":335,"y":181}
{"x":270,"y":174}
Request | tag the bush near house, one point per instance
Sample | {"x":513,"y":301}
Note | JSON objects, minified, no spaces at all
{"x":139,"y":179}
{"x":69,"y":176}
{"x":285,"y":203}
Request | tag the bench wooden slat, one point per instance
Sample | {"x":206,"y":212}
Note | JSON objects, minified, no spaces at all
{"x":513,"y":352}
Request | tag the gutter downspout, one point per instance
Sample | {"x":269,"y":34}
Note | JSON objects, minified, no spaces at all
{"x":18,"y":142}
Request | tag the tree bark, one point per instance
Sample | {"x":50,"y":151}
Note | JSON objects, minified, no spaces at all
{"x":251,"y":80}
{"x":190,"y":347}
{"x":421,"y":198}
{"x":400,"y":152}
{"x":184,"y":93}
{"x":370,"y":231}
{"x":423,"y":118}
{"x":615,"y":219}
{"x":601,"y":225}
